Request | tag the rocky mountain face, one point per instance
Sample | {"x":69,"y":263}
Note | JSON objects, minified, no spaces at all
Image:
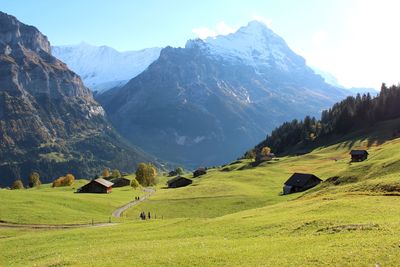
{"x":102,"y":67}
{"x":208,"y":102}
{"x":49,"y":121}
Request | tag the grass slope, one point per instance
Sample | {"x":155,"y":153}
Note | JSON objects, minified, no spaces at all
{"x":61,"y":205}
{"x":237,"y":217}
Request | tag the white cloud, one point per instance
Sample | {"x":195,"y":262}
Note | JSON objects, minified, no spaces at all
{"x":224,"y":29}
{"x":204,"y":32}
{"x":220,"y":29}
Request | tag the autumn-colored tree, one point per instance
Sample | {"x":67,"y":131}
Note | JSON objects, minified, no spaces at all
{"x":34,"y":179}
{"x":116,"y":174}
{"x":146,"y":174}
{"x":106,"y":173}
{"x":68,"y":180}
{"x":265,"y":151}
{"x":134,"y":183}
{"x":17,"y":184}
{"x":58,"y":182}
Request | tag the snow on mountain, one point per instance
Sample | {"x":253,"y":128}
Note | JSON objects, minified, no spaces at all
{"x":102,"y":67}
{"x":255,"y":45}
{"x":212,"y":93}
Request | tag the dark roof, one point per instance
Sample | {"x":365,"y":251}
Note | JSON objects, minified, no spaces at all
{"x":113,"y":180}
{"x":176,"y":179}
{"x":359,"y":152}
{"x":103,"y":182}
{"x":300,"y":179}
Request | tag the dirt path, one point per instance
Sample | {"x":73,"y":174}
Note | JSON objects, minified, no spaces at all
{"x":118,"y":212}
{"x":52,"y":226}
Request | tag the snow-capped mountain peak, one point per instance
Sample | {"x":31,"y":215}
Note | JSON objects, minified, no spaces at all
{"x":254,"y":44}
{"x":103,"y":67}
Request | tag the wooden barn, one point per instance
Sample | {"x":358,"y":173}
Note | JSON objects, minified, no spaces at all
{"x":172,"y":173}
{"x":300,"y":182}
{"x":120,"y":182}
{"x":358,"y":155}
{"x":198,"y":172}
{"x":179,"y":181}
{"x":98,"y":185}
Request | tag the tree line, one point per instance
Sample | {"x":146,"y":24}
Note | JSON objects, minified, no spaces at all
{"x":351,"y":114}
{"x":146,"y":175}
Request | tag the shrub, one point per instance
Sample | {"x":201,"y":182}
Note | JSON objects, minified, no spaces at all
{"x":179,"y":170}
{"x":66,"y":180}
{"x":34,"y":179}
{"x":134,"y":183}
{"x":116,"y":174}
{"x":265,"y":151}
{"x":251,"y":154}
{"x":106,"y":173}
{"x":17,"y":184}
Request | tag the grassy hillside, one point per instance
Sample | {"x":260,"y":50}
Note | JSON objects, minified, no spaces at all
{"x":235,"y":217}
{"x":61,"y":205}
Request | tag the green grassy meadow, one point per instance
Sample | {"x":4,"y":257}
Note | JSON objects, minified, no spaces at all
{"x":235,"y":217}
{"x":61,"y":205}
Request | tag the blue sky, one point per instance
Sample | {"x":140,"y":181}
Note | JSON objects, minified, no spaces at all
{"x":343,"y":37}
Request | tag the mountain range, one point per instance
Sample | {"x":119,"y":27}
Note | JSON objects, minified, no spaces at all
{"x":49,"y":121}
{"x":102,"y":67}
{"x":207,"y":102}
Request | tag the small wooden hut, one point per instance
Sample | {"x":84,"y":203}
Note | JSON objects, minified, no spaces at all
{"x":358,"y":155}
{"x":199,"y":172}
{"x":98,"y":185}
{"x":300,"y":182}
{"x":179,"y":181}
{"x":120,"y":182}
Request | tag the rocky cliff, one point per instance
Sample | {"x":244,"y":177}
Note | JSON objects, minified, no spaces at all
{"x":49,"y":121}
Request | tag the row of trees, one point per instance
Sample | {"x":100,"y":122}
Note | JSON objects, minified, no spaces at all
{"x":146,"y":175}
{"x":342,"y":118}
{"x":33,"y":181}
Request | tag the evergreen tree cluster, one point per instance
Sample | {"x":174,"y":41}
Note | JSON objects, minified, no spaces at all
{"x":351,"y":114}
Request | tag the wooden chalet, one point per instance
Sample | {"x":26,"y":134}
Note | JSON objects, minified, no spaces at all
{"x":199,"y":171}
{"x":262,"y":158}
{"x":120,"y":182}
{"x":172,"y":173}
{"x":300,"y":182}
{"x":179,"y":181}
{"x":358,"y":155}
{"x":98,"y":185}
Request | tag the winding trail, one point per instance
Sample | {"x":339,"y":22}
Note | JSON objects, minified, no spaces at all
{"x":118,"y":212}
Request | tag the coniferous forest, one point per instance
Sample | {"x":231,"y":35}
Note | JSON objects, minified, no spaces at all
{"x":351,"y":114}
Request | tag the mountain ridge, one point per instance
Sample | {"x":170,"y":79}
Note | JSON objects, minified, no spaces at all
{"x":200,"y":103}
{"x":103,"y":67}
